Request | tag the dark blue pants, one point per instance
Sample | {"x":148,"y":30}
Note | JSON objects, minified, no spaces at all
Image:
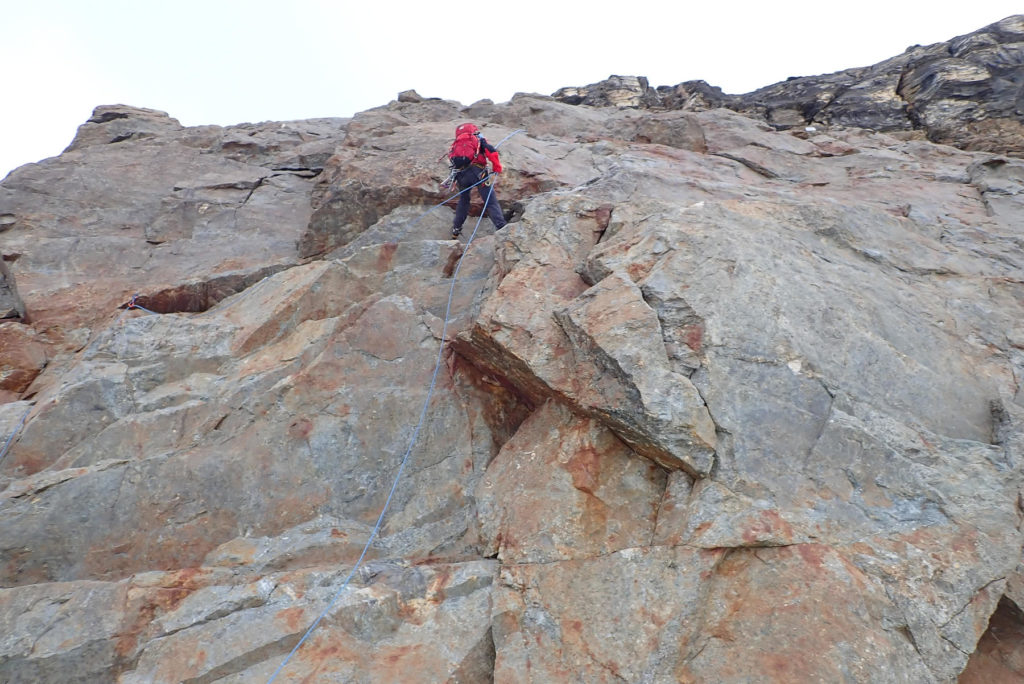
{"x":471,"y":174}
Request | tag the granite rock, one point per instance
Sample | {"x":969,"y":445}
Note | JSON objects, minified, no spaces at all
{"x":724,"y":402}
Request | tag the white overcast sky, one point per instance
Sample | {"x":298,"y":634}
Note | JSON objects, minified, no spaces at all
{"x":228,"y":61}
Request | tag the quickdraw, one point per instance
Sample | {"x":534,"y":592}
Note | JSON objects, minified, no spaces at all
{"x":450,"y":180}
{"x":453,"y":172}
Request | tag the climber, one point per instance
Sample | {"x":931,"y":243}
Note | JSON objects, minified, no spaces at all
{"x":468,"y":156}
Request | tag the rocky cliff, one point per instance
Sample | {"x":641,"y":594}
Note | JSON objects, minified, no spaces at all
{"x":965,"y":92}
{"x":725,"y":402}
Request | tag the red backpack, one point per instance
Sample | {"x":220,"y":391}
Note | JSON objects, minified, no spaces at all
{"x":466,"y":146}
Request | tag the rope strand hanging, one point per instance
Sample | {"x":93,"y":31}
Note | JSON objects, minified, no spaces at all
{"x":419,"y":424}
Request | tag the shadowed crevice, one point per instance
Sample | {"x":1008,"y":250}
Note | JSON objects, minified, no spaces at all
{"x":198,"y":296}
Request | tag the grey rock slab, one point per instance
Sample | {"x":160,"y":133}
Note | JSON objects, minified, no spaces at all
{"x":184,"y":221}
{"x":633,"y":615}
{"x":759,"y":595}
{"x":796,"y":320}
{"x":377,"y":630}
{"x":61,"y":633}
{"x":11,"y":305}
{"x":656,"y":410}
{"x":565,"y":488}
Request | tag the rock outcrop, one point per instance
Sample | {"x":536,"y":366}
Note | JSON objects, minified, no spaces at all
{"x":723,"y":403}
{"x":967,"y":92}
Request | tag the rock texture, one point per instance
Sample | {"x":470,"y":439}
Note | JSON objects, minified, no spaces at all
{"x":723,"y":404}
{"x":140,"y":205}
{"x":965,"y":92}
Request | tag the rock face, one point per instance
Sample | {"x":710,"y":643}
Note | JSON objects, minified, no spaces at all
{"x":723,"y":404}
{"x":140,"y":205}
{"x":965,"y":92}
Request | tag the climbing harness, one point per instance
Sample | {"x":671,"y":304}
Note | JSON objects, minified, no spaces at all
{"x":450,"y":180}
{"x":419,"y":424}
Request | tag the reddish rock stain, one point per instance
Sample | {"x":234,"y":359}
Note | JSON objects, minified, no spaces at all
{"x":813,"y":554}
{"x":788,"y":667}
{"x":290,"y":617}
{"x":504,"y":406}
{"x":436,"y":593}
{"x":158,"y":601}
{"x":585,"y":468}
{"x":702,"y":528}
{"x":637,"y":271}
{"x":603,"y":216}
{"x":768,"y":524}
{"x":964,"y":542}
{"x":693,"y":335}
{"x":300,"y":428}
{"x":453,"y":260}
{"x":386,"y":256}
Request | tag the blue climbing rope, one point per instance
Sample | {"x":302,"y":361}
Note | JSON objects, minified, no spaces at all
{"x":419,"y":424}
{"x":133,"y":305}
{"x":482,"y":180}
